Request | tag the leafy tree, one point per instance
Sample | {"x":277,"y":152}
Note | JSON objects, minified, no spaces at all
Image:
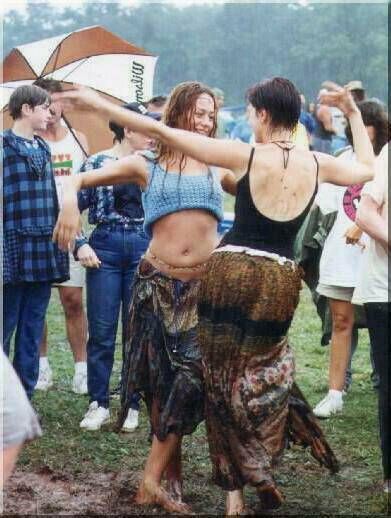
{"x":233,"y":45}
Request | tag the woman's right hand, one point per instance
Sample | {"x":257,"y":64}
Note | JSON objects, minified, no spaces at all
{"x":68,"y":222}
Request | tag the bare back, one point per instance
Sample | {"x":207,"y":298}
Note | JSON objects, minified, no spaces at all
{"x":281,"y":193}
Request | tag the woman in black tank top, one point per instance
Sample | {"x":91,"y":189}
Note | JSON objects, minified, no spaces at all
{"x":251,"y":288}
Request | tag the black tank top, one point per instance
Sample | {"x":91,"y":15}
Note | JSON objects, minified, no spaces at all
{"x":254,"y":230}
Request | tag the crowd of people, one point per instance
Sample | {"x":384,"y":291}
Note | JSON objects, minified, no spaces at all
{"x":205,"y":317}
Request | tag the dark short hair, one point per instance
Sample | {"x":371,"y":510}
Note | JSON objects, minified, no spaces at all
{"x":49,"y":84}
{"x":280,"y":98}
{"x":373,"y":114}
{"x":158,"y":100}
{"x":26,"y":94}
{"x":139,"y":108}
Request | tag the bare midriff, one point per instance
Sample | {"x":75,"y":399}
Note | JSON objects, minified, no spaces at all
{"x":182,"y":243}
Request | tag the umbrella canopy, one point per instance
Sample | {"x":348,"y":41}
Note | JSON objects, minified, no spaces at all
{"x":92,"y":57}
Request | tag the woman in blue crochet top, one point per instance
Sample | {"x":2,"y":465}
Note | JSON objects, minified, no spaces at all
{"x":183,"y":203}
{"x":250,"y":288}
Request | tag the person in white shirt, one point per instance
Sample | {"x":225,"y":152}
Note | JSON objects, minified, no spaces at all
{"x":68,"y":154}
{"x":372,"y":218}
{"x":340,"y":262}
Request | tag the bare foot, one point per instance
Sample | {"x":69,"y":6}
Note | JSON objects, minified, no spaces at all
{"x":235,"y":505}
{"x":270,"y":496}
{"x":174,"y":489}
{"x":153,"y":493}
{"x":142,"y":496}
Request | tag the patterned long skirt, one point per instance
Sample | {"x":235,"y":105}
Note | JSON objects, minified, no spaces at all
{"x":162,"y":357}
{"x":253,"y":407}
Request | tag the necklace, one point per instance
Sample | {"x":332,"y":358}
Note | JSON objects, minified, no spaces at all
{"x":285,"y":150}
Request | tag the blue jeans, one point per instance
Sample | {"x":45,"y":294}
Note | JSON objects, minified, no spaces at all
{"x":108,"y":287}
{"x":24,"y":310}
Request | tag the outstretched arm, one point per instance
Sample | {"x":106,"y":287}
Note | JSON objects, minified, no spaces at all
{"x":127,"y":170}
{"x":227,"y":154}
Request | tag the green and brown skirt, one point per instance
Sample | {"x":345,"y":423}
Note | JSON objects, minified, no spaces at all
{"x":253,"y":407}
{"x":162,"y":357}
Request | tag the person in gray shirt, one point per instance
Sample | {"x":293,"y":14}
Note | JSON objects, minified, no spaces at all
{"x":18,"y":421}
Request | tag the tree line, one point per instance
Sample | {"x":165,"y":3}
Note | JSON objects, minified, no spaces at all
{"x":233,"y":45}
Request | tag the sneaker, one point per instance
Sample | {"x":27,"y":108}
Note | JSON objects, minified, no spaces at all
{"x":95,"y":417}
{"x":131,"y":421}
{"x":79,"y":383}
{"x":45,"y":378}
{"x":387,"y":486}
{"x":330,"y":405}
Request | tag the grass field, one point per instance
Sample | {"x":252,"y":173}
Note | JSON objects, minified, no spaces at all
{"x":68,"y":471}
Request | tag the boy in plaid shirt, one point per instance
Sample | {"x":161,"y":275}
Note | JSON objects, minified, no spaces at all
{"x":31,"y":261}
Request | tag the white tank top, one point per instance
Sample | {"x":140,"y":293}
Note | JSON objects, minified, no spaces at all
{"x":67,"y":158}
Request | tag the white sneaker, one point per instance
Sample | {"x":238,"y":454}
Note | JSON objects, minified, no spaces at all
{"x":95,"y":417}
{"x":131,"y":421}
{"x":331,"y":404}
{"x":45,"y":378}
{"x":79,"y":382}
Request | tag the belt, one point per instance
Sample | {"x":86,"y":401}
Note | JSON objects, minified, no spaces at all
{"x":134,"y":223}
{"x":254,"y":252}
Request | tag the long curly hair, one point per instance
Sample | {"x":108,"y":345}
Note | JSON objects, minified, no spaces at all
{"x":179,"y":113}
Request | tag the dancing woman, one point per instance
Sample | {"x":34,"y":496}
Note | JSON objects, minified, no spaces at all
{"x":250,"y":287}
{"x":182,"y":200}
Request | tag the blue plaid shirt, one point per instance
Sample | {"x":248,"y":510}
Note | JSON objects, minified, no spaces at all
{"x":30,"y":210}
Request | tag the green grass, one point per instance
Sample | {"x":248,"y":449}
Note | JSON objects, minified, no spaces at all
{"x":106,"y":465}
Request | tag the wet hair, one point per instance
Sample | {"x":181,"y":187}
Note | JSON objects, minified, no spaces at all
{"x":26,"y":94}
{"x":158,"y":100}
{"x":50,"y":85}
{"x":281,"y":100}
{"x":373,"y":114}
{"x":179,"y":113}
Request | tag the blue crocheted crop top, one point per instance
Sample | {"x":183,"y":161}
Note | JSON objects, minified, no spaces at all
{"x":170,"y":192}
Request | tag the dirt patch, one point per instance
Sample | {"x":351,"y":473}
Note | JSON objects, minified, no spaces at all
{"x":48,"y":492}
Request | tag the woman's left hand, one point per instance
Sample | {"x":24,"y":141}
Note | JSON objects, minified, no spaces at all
{"x":353,"y":236}
{"x":68,"y":226}
{"x":68,"y":222}
{"x":338,"y":96}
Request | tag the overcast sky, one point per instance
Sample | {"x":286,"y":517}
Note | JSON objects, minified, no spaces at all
{"x":20,"y":5}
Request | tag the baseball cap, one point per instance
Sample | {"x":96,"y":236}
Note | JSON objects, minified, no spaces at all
{"x":355,"y":85}
{"x":141,"y":110}
{"x":134,"y":107}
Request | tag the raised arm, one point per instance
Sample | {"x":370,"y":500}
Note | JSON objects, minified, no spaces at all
{"x":227,"y":154}
{"x":127,"y":170}
{"x":335,"y":171}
